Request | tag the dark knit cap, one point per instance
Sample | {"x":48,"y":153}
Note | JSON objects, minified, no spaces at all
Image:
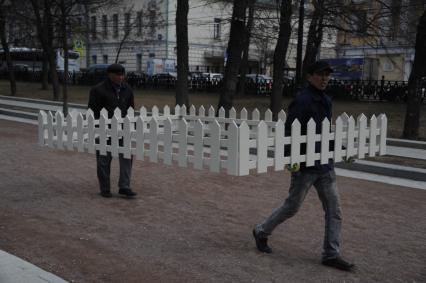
{"x":319,"y":66}
{"x":116,"y":69}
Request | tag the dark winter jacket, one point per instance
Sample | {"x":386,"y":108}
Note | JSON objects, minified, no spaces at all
{"x":310,"y":103}
{"x":109,"y":96}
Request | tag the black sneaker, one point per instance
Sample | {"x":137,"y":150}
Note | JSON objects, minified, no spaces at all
{"x":339,"y":263}
{"x":261,"y":243}
{"x":106,"y":194}
{"x":127,"y":192}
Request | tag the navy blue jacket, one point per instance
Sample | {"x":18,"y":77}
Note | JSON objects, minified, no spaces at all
{"x":310,"y":103}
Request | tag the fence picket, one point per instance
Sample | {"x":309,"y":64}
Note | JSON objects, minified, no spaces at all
{"x":70,"y":132}
{"x":153,"y":139}
{"x":383,"y":126}
{"x":142,"y":111}
{"x":282,"y":116}
{"x":42,"y":121}
{"x":198,"y":145}
{"x":211,"y":112}
{"x":90,"y":131}
{"x":140,"y":141}
{"x":243,"y":114}
{"x":114,"y":132}
{"x":215,"y":146}
{"x":201,"y":111}
{"x":183,"y":110}
{"x":50,"y":131}
{"x":338,"y":140}
{"x":154,"y":111}
{"x":183,"y":143}
{"x":127,"y":142}
{"x":362,"y":135}
{"x":166,"y":111}
{"x":350,"y":149}
{"x":102,"y":132}
{"x":177,"y":110}
{"x":373,"y":136}
{"x":279,"y":146}
{"x":131,"y":112}
{"x":80,"y":133}
{"x":167,"y":138}
{"x":295,"y":142}
{"x":255,"y":116}
{"x":268,"y":115}
{"x":325,"y":141}
{"x":192,"y":110}
{"x":59,"y":129}
{"x":232,"y":150}
{"x":243,"y":146}
{"x":232,"y":113}
{"x":310,"y":142}
{"x":221,"y":112}
{"x":262,"y":147}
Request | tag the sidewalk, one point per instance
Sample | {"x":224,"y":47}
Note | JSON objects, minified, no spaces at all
{"x":16,"y":270}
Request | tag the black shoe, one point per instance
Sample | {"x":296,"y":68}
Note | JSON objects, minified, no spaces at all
{"x":106,"y":194}
{"x":261,"y":243}
{"x":127,"y":192}
{"x":339,"y":263}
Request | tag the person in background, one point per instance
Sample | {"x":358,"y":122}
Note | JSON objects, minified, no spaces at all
{"x":113,"y":92}
{"x":311,"y":102}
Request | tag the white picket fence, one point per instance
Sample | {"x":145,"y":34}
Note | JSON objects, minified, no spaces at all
{"x":236,"y":145}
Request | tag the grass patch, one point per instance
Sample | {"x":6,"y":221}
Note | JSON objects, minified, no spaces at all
{"x":149,"y":97}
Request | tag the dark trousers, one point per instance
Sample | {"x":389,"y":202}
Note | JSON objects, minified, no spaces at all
{"x":103,"y":163}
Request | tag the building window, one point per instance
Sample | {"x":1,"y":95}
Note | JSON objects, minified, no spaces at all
{"x":104,"y":26}
{"x":94,"y":27}
{"x":105,"y":59}
{"x":139,"y":24}
{"x":388,"y":65}
{"x":94,"y":59}
{"x":216,"y":28}
{"x":115,"y":25}
{"x":139,"y":62}
{"x":127,"y":23}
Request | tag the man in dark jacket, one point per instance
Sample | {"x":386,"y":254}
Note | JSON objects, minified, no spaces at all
{"x":311,"y":102}
{"x":110,"y":94}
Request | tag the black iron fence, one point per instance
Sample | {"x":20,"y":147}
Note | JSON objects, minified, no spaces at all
{"x":371,"y":90}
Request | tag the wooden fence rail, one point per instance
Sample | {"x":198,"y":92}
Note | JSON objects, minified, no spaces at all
{"x":202,"y":140}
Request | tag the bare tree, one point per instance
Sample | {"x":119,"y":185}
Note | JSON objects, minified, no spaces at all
{"x":418,"y":73}
{"x":315,"y":35}
{"x":234,"y":50}
{"x":244,"y":61}
{"x":279,"y":56}
{"x":182,"y":52}
{"x":5,"y":45}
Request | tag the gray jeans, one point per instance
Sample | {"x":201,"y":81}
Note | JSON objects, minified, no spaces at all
{"x":301,"y":182}
{"x":103,"y":163}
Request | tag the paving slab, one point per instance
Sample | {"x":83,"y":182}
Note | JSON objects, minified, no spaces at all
{"x":16,"y":270}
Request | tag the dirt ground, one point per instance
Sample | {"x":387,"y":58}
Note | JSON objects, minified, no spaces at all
{"x":193,"y":226}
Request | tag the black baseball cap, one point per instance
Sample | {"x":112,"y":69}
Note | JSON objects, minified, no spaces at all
{"x":319,"y":66}
{"x":116,"y":69}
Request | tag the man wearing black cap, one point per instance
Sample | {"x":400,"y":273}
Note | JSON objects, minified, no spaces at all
{"x":310,"y":102}
{"x":110,"y":94}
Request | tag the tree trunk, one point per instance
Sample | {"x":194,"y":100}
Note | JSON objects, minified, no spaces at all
{"x":234,"y":50}
{"x":279,"y":57}
{"x":5,"y":45}
{"x":45,"y":71}
{"x":182,"y":53}
{"x":418,"y":73}
{"x":244,"y":62}
{"x":314,"y":36}
{"x":65,"y":48}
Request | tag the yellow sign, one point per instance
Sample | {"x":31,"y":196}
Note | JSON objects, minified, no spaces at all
{"x":80,"y":47}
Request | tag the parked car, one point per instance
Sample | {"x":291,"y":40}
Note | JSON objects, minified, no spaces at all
{"x":259,"y":83}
